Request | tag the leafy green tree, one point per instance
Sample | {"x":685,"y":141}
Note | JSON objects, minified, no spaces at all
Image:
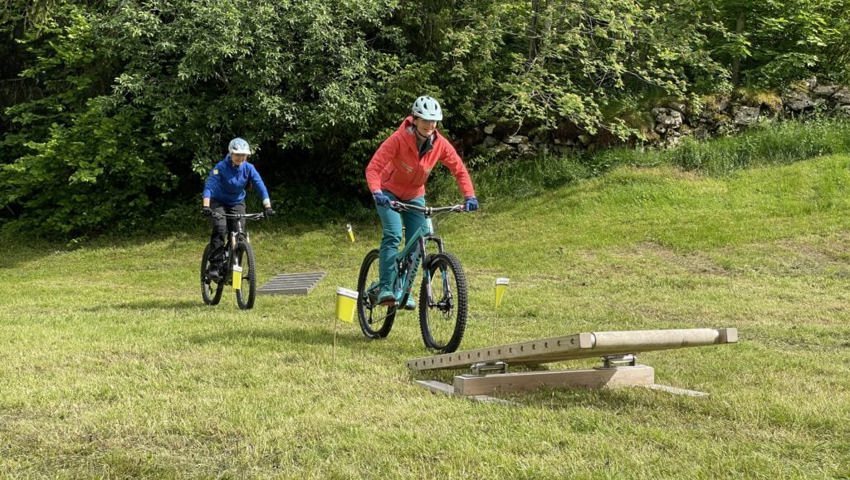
{"x":85,"y":161}
{"x":176,"y":80}
{"x":772,"y":43}
{"x":113,"y":108}
{"x":586,"y":58}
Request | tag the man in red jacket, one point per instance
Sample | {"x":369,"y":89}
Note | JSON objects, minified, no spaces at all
{"x":398,"y":171}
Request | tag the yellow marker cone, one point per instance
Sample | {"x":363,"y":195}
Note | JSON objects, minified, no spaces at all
{"x":350,"y":231}
{"x":501,"y":287}
{"x":346,"y":303}
{"x":237,"y":277}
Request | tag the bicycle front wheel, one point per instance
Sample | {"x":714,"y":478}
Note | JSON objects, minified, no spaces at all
{"x":244,"y":257}
{"x":376,"y":320}
{"x":210,"y":290}
{"x":442,"y":315}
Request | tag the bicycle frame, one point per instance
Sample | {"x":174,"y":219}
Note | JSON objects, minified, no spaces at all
{"x":416,"y":245}
{"x":437,"y":316}
{"x":233,"y":238}
{"x":236,"y":253}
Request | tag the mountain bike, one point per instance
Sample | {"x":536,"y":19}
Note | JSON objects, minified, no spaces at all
{"x":238,"y":267}
{"x":442,"y":294}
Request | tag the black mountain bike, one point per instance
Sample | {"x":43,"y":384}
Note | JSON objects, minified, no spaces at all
{"x":238,"y":267}
{"x":442,"y":295}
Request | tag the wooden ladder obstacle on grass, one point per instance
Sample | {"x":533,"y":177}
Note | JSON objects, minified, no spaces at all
{"x":291,"y":283}
{"x":617,"y":349}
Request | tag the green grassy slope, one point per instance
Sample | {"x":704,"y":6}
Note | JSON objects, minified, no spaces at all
{"x":110,"y":366}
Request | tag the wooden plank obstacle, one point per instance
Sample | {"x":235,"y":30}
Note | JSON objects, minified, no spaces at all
{"x":291,"y":283}
{"x":618,"y":351}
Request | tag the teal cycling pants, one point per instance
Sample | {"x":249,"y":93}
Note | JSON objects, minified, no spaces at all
{"x":392,"y":223}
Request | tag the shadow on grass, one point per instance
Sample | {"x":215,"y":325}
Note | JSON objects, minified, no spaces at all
{"x":21,"y":249}
{"x":614,"y":399}
{"x":581,"y":398}
{"x":303,"y":336}
{"x":155,"y":304}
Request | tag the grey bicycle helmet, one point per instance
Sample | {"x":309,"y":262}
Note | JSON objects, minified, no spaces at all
{"x":239,"y":146}
{"x":427,"y":108}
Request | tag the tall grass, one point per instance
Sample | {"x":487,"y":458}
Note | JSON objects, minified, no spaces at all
{"x":774,"y":143}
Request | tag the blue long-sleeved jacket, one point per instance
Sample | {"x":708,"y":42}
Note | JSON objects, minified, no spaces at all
{"x":226,"y":183}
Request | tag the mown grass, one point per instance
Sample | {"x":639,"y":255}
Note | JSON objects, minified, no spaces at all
{"x":111,"y":367}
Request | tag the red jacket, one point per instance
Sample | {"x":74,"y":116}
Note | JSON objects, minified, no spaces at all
{"x":397,"y":168}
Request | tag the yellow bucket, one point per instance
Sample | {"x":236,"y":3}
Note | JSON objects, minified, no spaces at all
{"x":346,"y":304}
{"x":501,"y":287}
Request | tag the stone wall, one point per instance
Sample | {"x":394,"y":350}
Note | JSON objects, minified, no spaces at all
{"x":670,"y":122}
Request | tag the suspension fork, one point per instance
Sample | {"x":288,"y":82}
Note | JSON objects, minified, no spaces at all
{"x":426,"y":272}
{"x":421,"y":260}
{"x":235,"y":235}
{"x":437,"y":240}
{"x":233,"y":245}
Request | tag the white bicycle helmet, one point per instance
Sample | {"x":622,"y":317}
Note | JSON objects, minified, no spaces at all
{"x":239,"y":146}
{"x":427,"y":108}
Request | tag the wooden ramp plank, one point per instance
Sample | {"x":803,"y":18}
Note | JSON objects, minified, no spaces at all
{"x":437,"y":387}
{"x":446,"y":389}
{"x":676,"y":390}
{"x":581,"y":345}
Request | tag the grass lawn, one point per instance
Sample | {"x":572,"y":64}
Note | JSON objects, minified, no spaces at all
{"x":111,"y":366}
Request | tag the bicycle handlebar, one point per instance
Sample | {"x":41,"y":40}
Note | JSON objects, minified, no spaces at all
{"x":247,"y":216}
{"x":428,"y":211}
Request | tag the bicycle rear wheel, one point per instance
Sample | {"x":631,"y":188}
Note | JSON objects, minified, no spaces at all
{"x":210,"y":291}
{"x":376,"y":320}
{"x":244,"y":257}
{"x":442,"y":316}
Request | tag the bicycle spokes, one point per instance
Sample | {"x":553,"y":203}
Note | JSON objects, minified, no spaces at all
{"x":376,"y":320}
{"x":442,"y":313}
{"x":441,"y":291}
{"x":244,"y":276}
{"x":210,"y":290}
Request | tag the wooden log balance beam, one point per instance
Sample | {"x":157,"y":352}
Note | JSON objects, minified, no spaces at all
{"x":569,"y":347}
{"x":580,"y":345}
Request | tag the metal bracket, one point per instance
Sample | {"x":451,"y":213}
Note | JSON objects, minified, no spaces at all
{"x":484,"y":368}
{"x":612,"y":361}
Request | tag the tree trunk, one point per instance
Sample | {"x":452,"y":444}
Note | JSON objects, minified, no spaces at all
{"x":736,"y":62}
{"x":534,"y":29}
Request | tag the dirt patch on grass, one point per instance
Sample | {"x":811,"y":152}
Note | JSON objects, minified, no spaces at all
{"x":805,"y":256}
{"x":694,"y":262}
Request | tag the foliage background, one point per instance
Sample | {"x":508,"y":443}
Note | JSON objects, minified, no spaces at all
{"x":115,"y":109}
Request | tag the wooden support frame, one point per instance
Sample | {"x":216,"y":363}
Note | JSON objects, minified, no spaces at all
{"x":581,"y":378}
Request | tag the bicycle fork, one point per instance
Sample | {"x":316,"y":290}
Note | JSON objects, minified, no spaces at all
{"x":445,"y":301}
{"x":426,"y":274}
{"x":236,"y":269}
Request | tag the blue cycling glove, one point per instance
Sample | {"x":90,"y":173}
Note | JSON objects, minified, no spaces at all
{"x":471,"y":204}
{"x":381,"y":199}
